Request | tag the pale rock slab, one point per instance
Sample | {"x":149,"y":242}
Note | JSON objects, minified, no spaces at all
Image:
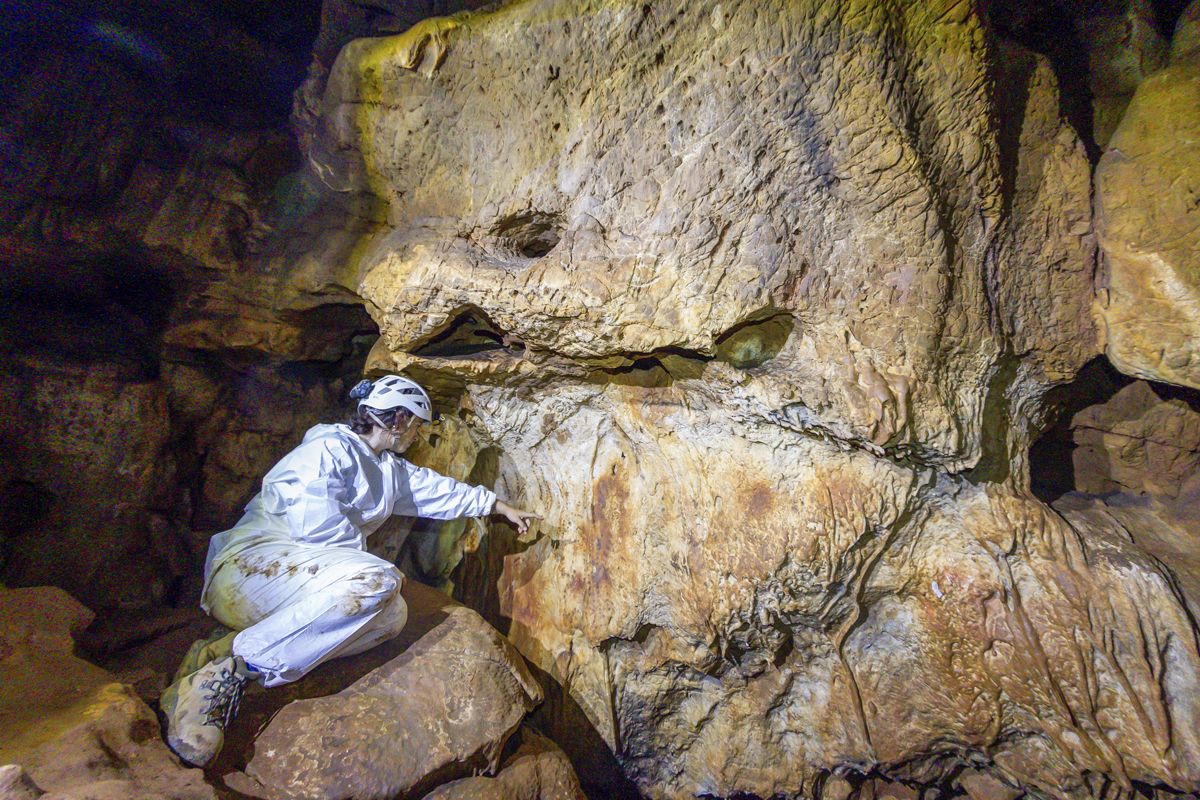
{"x":1149,"y":227}
{"x":441,"y":709}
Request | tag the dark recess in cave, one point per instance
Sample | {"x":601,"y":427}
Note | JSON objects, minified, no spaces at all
{"x":531,"y":234}
{"x":1051,"y":463}
{"x":228,"y":59}
{"x":468,"y":333}
{"x":1051,"y":459}
{"x":1051,"y":28}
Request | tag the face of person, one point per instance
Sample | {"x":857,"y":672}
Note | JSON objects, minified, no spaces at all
{"x":404,"y":434}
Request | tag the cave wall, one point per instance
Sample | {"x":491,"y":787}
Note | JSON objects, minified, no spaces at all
{"x":775,"y":296}
{"x":768,"y":307}
{"x":154,"y":365}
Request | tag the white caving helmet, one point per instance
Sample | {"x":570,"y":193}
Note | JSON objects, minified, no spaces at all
{"x":394,"y":391}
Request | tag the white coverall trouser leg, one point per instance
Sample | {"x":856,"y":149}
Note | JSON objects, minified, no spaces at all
{"x":298,"y":605}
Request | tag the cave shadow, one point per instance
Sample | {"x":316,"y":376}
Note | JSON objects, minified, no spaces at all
{"x":598,"y":769}
{"x":1052,"y":456}
{"x":559,"y":718}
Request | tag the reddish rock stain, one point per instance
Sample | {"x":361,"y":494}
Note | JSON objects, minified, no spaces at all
{"x":758,"y":501}
{"x":610,"y":499}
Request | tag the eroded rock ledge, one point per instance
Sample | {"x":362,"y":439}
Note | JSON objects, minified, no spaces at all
{"x":760,"y":303}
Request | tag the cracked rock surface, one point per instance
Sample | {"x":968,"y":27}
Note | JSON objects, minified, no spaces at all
{"x":759,"y":304}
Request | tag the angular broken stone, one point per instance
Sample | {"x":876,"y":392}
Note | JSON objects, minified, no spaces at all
{"x":74,"y":730}
{"x":441,"y":709}
{"x":538,"y":770}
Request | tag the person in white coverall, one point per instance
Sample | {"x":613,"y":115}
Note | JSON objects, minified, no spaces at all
{"x":293,"y":578}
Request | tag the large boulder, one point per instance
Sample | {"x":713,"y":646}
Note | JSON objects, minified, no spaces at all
{"x":1137,"y":442}
{"x":759,"y":303}
{"x":438,"y":703}
{"x":72,"y":729}
{"x":537,"y":770}
{"x":1149,"y":226}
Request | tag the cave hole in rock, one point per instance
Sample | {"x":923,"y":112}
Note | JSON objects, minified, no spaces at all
{"x":1051,"y":458}
{"x":654,"y":370}
{"x":756,"y":341}
{"x":105,"y":310}
{"x":1099,"y":442}
{"x":747,"y":345}
{"x":469,"y":332}
{"x":529,"y":234}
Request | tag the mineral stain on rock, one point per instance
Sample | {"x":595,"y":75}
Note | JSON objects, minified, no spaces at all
{"x":809,"y":265}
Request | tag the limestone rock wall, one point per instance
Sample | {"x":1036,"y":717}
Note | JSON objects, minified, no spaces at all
{"x":763,"y":305}
{"x":154,"y":362}
{"x":1149,"y":223}
{"x":759,"y":304}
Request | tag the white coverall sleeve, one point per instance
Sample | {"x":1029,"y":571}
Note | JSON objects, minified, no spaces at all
{"x":434,"y":496}
{"x":318,"y":506}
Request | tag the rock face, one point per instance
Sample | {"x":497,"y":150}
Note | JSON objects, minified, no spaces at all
{"x":1123,"y":47}
{"x":1149,"y":227}
{"x":759,"y":303}
{"x":441,"y":708}
{"x":152,"y":367}
{"x":538,"y":770}
{"x":1138,"y":443}
{"x":75,"y":732}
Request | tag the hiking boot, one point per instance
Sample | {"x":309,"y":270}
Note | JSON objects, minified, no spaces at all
{"x":200,"y":707}
{"x":218,"y":644}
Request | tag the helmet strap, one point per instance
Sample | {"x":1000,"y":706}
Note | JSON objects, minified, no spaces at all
{"x":379,"y":422}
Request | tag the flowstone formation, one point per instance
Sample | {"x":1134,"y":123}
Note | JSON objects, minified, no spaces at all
{"x":759,"y":303}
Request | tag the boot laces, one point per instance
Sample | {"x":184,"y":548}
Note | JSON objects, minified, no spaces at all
{"x":223,"y":697}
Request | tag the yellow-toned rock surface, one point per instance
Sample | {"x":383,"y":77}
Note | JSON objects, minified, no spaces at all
{"x":1186,"y":41}
{"x":1149,"y":225}
{"x":758,"y":303}
{"x":74,"y":731}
